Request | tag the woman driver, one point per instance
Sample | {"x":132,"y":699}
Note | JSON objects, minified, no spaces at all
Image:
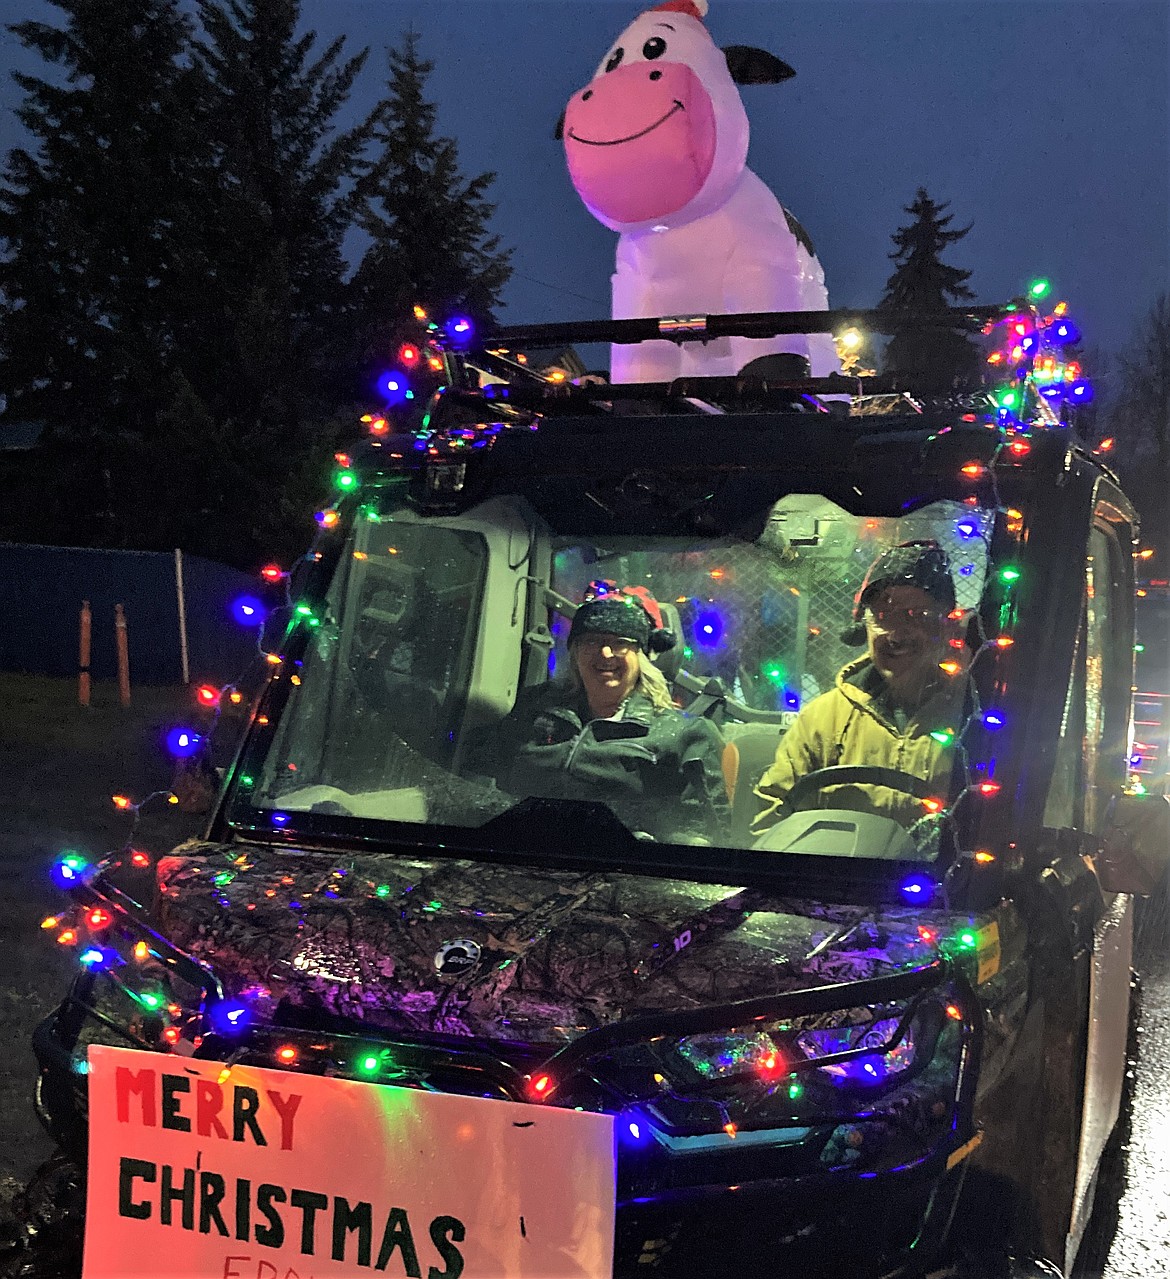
{"x":609,"y":732}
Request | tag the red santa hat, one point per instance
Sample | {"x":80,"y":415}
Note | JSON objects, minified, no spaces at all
{"x":692,"y":8}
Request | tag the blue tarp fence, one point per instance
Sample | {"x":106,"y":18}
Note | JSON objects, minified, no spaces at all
{"x":42,"y":589}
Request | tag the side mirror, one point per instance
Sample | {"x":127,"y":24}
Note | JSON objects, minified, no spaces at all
{"x":1135,"y":852}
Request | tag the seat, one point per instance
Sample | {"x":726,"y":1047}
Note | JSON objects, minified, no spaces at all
{"x":745,"y":757}
{"x":670,"y":662}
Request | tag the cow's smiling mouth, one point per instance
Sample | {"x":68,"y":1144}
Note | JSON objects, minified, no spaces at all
{"x":590,"y":142}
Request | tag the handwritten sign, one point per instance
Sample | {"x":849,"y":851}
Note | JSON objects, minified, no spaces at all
{"x":268,"y":1174}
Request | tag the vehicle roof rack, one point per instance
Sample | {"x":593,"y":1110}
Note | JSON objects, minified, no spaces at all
{"x":763,"y":324}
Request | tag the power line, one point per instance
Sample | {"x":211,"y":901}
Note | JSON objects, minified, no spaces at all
{"x":556,"y":288}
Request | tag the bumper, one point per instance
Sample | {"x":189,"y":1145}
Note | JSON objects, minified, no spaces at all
{"x":822,"y":1226}
{"x":819,"y":1227}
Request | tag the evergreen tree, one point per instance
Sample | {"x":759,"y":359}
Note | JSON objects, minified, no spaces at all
{"x":428,"y":225}
{"x":937,"y":359}
{"x":252,"y":407}
{"x":285,"y":200}
{"x":91,"y":259}
{"x":1139,"y":420}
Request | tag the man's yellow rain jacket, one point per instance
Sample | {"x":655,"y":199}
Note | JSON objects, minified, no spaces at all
{"x":854,"y":723}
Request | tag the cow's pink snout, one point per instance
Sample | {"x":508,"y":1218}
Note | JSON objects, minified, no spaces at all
{"x":640,"y":140}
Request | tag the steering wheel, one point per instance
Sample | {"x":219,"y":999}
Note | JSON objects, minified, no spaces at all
{"x":858,"y":774}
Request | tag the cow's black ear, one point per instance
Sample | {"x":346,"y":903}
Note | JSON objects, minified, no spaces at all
{"x":559,"y":131}
{"x":755,"y":66}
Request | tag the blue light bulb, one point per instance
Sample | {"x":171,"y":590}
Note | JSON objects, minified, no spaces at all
{"x":229,"y":1017}
{"x":460,"y":331}
{"x":393,"y":387}
{"x":708,"y":628}
{"x":183,"y":743}
{"x":248,"y":610}
{"x":917,"y":888}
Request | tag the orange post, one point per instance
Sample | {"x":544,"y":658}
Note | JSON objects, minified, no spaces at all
{"x":83,"y":654}
{"x":123,"y":655}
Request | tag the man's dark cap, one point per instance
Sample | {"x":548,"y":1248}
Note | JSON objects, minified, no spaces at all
{"x":922,"y":564}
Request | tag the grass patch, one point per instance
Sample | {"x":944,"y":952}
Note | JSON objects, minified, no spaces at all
{"x":59,"y":765}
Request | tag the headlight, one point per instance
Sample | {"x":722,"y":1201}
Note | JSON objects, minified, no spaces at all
{"x":783,"y":1078}
{"x":893,"y":1053}
{"x":728,"y":1055}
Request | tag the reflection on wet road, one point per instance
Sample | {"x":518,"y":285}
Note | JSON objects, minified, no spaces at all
{"x":1141,"y":1246}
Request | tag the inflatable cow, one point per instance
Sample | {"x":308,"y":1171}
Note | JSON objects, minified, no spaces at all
{"x":656,"y":145}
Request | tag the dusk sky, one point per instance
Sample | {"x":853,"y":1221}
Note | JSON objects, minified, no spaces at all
{"x":1046,"y":125}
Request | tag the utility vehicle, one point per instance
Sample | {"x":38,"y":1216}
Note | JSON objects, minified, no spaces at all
{"x":850,"y":1047}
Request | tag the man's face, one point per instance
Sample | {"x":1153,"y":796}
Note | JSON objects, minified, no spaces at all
{"x":908,"y":634}
{"x":608,"y":666}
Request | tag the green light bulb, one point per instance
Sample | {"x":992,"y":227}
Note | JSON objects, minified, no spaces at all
{"x":1039,"y":288}
{"x":1009,"y":575}
{"x":383,"y":890}
{"x":346,"y":480}
{"x":150,"y":1000}
{"x":1007,"y":400}
{"x":369,"y":1064}
{"x":967,"y":939}
{"x":943,"y":736}
{"x":795,"y":1092}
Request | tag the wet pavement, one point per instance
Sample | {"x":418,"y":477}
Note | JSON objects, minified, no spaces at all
{"x":1141,"y":1246}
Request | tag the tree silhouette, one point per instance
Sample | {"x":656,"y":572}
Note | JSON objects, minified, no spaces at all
{"x":1139,"y":421}
{"x":284,"y":180}
{"x":430,"y":243}
{"x":253,"y":410}
{"x":174,"y":300}
{"x":90,"y":220}
{"x":937,"y":360}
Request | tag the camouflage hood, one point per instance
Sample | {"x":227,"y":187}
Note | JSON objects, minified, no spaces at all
{"x":503,"y":952}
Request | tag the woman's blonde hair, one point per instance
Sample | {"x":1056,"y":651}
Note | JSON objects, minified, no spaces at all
{"x":651,"y":683}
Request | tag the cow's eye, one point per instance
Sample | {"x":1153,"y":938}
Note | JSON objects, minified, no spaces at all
{"x":655,"y":47}
{"x":614,"y":58}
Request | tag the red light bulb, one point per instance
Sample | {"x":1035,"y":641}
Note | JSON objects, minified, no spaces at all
{"x":542,"y":1086}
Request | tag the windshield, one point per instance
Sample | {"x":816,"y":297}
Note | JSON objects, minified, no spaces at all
{"x":803,"y":691}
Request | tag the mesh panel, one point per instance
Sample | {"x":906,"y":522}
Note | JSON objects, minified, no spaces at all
{"x":766,"y":618}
